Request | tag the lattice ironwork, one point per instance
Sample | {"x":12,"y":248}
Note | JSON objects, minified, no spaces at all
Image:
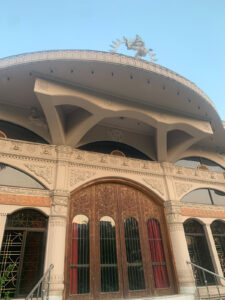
{"x":10,"y":255}
{"x":23,"y":248}
{"x":27,"y":218}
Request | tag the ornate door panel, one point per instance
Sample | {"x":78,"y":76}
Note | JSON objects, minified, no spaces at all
{"x":130,"y":254}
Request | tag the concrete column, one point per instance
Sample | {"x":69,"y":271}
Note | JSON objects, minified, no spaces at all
{"x":180,"y":250}
{"x":57,"y":224}
{"x":56,"y":243}
{"x":3,"y":217}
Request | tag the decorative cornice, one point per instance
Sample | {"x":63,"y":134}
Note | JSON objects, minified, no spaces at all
{"x":100,"y":57}
{"x":40,"y":161}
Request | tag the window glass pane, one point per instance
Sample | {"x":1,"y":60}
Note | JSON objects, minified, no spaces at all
{"x":218,"y":231}
{"x":198,"y":196}
{"x":12,"y":177}
{"x":109,"y":267}
{"x":199,"y":251}
{"x":212,"y":165}
{"x":157,"y":254}
{"x":80,"y":257}
{"x":133,"y":253}
{"x":194,"y":162}
{"x":190,"y":162}
{"x":218,"y":197}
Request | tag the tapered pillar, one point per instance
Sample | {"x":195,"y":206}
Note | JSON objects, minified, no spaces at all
{"x":56,"y":242}
{"x":180,"y":250}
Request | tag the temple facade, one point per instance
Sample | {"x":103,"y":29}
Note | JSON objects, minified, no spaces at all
{"x":112,"y":170}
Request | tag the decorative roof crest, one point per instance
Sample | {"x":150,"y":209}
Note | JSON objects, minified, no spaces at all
{"x":136,"y":45}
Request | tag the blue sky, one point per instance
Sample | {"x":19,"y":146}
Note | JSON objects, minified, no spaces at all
{"x":188,"y":36}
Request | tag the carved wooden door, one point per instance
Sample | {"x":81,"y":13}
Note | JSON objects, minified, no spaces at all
{"x":121,"y":261}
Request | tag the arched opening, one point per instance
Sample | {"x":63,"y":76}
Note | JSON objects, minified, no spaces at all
{"x":218,"y":232}
{"x":108,"y":147}
{"x":23,"y":249}
{"x":205,"y":196}
{"x":17,"y":132}
{"x":195,"y":162}
{"x":199,"y":251}
{"x":127,"y":250}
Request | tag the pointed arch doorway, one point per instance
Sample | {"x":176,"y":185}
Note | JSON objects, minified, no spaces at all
{"x":118,"y":244}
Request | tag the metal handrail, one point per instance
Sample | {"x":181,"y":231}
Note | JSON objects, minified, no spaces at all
{"x":39,"y":286}
{"x":216,"y":276}
{"x":210,"y":272}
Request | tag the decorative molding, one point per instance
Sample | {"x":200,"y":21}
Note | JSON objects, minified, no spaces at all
{"x":182,"y":188}
{"x":177,"y":226}
{"x":59,"y":198}
{"x":57,"y":221}
{"x":79,"y":175}
{"x":23,"y":191}
{"x":43,"y":171}
{"x":155,"y":184}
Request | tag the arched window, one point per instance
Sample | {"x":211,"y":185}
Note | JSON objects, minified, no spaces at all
{"x":195,"y":162}
{"x":133,"y":254}
{"x":23,"y":247}
{"x":80,"y":256}
{"x":157,"y":254}
{"x":198,"y":250}
{"x":109,"y":266}
{"x":205,"y":196}
{"x":218,"y":231}
{"x":10,"y":176}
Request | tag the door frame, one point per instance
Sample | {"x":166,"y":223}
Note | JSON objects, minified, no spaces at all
{"x":167,"y":238}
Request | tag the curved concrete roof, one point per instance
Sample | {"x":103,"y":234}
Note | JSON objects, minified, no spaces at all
{"x":98,"y":56}
{"x":113,"y":78}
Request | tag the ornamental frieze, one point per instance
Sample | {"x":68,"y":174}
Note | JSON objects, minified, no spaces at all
{"x":156,"y":185}
{"x":42,"y":171}
{"x":78,"y":175}
{"x":182,"y":188}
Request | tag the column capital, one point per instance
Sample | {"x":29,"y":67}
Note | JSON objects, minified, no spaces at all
{"x":173,"y":212}
{"x":59,"y":203}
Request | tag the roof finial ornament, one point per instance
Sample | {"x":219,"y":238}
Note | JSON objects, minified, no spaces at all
{"x":137,"y":45}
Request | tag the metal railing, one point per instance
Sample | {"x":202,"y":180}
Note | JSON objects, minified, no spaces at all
{"x":206,"y":283}
{"x":41,"y":289}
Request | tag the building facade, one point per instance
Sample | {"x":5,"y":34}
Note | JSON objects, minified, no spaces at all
{"x":112,"y":170}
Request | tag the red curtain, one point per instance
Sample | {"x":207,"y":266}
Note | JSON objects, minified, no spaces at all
{"x":74,"y":260}
{"x":157,"y":254}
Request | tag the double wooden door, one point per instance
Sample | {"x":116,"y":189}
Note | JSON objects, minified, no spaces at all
{"x":118,"y":244}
